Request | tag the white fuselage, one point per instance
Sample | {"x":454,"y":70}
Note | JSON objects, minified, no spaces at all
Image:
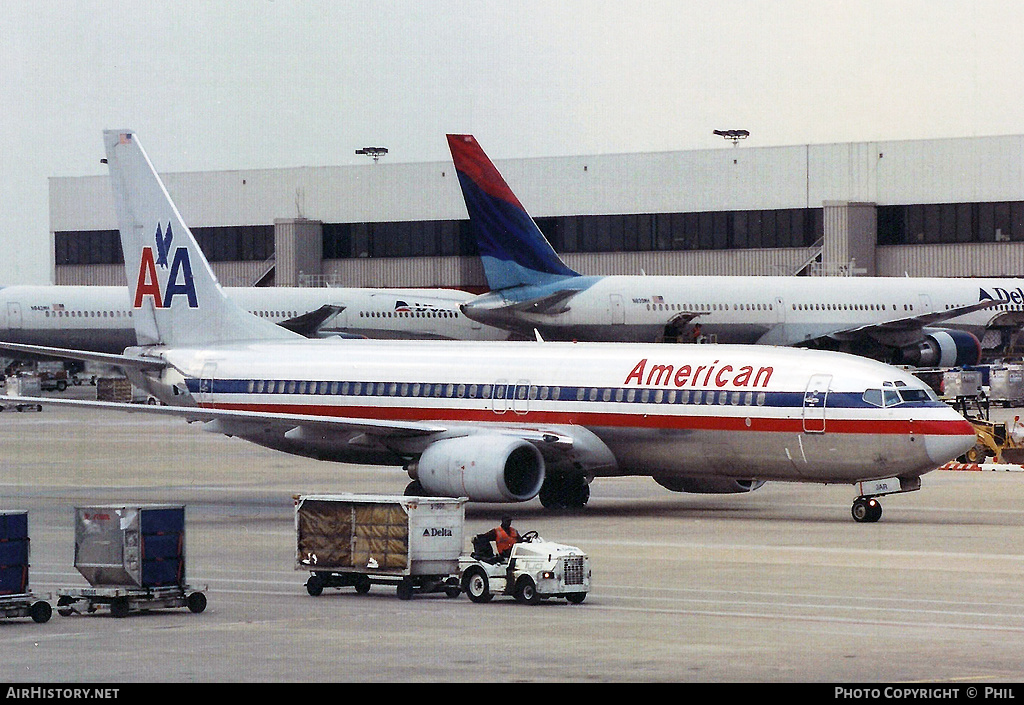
{"x":98,"y":318}
{"x":753,"y":309}
{"x":734,"y":411}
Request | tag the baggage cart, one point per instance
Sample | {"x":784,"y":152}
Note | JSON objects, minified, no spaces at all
{"x":16,"y":599}
{"x":22,"y":385}
{"x":134,"y":559}
{"x":349,"y":540}
{"x":121,"y":600}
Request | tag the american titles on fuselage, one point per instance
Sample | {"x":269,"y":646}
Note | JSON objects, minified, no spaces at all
{"x":660,"y":374}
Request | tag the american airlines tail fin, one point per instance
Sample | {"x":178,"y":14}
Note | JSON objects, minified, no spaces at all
{"x":176,"y":299}
{"x":513,"y":250}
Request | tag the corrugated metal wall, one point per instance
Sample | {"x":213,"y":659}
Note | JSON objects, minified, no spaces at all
{"x":733,"y":178}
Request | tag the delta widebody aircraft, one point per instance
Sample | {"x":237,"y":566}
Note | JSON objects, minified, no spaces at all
{"x":508,"y":421}
{"x":922,"y":322}
{"x":98,"y":318}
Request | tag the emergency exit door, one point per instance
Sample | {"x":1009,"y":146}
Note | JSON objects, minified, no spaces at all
{"x":815,"y":397}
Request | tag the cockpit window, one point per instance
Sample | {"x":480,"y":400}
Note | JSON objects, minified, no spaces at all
{"x":892,"y":394}
{"x":873,"y":397}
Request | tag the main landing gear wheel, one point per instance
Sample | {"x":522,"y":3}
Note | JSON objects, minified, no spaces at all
{"x":866,"y":510}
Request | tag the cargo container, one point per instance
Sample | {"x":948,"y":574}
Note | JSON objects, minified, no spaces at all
{"x":1006,"y":385}
{"x":133,"y":557}
{"x":16,"y":600}
{"x":349,"y":540}
{"x":958,"y":384}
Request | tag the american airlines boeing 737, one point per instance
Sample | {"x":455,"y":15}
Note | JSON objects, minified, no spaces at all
{"x":508,"y":421}
{"x":911,"y":321}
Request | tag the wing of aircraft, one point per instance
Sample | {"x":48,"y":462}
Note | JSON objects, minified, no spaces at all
{"x":891,"y":332}
{"x":138,"y":362}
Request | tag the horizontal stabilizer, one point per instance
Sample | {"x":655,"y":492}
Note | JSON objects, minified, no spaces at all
{"x":309,"y":324}
{"x":550,"y":305}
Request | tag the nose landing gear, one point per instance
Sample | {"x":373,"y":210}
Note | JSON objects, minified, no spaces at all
{"x":866,"y":510}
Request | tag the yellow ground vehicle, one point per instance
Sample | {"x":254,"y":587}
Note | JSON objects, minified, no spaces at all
{"x":1002,"y":441}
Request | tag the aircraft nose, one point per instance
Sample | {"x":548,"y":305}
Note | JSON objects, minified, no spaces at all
{"x":958,"y":440}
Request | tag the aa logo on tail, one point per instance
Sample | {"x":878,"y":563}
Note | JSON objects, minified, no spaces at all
{"x":179,"y":279}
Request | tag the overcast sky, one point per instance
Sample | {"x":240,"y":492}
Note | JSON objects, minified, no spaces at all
{"x":243,"y":84}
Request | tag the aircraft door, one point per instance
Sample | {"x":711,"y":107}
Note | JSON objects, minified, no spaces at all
{"x":780,"y":310}
{"x":814,"y":403}
{"x":521,"y":398}
{"x":925,"y":302}
{"x":206,"y":382}
{"x":14,"y":315}
{"x":617,"y":312}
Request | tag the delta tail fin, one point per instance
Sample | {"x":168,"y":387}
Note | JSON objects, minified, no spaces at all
{"x":176,"y":299}
{"x":512,"y":248}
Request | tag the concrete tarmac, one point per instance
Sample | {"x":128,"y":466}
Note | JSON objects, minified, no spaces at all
{"x":780,"y":585}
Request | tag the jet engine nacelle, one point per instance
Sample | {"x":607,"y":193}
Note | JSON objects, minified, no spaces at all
{"x":484,"y":468}
{"x":708,"y":485}
{"x":943,"y":348}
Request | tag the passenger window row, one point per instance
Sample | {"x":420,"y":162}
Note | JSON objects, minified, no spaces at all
{"x":506,"y":391}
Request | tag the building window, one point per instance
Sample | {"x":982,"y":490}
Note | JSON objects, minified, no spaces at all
{"x":949,"y":223}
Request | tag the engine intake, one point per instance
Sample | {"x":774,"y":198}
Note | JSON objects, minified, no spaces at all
{"x":708,"y":485}
{"x":943,"y":348}
{"x":484,"y":468}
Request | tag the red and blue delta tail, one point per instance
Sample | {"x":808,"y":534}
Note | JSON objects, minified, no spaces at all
{"x":512,"y":248}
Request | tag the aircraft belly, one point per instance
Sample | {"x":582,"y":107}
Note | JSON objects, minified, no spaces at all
{"x":613,"y":333}
{"x":826,"y":458}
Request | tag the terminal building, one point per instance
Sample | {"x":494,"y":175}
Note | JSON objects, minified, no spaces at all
{"x":949,"y":207}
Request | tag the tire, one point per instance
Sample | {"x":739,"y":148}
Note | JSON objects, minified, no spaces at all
{"x":977,"y":454}
{"x":866,"y":511}
{"x":362,"y":584}
{"x":526,"y":591}
{"x":196,"y":602}
{"x":40,"y":612}
{"x":315,"y":585}
{"x":476,"y":585}
{"x":61,"y":385}
{"x":64,"y":606}
{"x":119,"y":607}
{"x":405,"y":590}
{"x":575,"y":598}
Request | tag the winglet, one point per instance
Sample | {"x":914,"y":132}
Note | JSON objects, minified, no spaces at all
{"x":176,"y":299}
{"x":512,"y":248}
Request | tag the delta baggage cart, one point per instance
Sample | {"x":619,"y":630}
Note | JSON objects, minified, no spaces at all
{"x":133,"y":558}
{"x":16,"y":600}
{"x":350,"y":540}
